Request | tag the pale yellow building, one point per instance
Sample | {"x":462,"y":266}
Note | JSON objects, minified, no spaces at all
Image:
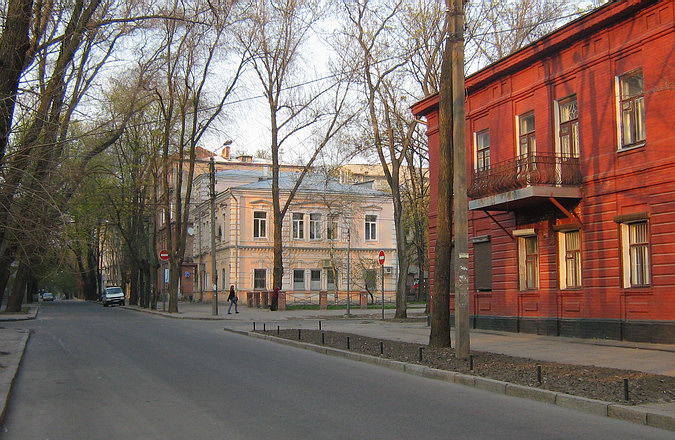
{"x":329,"y":227}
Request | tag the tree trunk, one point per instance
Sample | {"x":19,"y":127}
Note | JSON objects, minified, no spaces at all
{"x":18,"y":292}
{"x":278,"y":271}
{"x":5,"y":272}
{"x":440,"y":310}
{"x":402,"y":253}
{"x":14,"y":46}
{"x":174,"y":278}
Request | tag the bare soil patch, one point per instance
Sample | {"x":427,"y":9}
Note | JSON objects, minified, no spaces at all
{"x":586,"y":381}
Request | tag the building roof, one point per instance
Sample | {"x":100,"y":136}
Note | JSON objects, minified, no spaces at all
{"x":312,"y":183}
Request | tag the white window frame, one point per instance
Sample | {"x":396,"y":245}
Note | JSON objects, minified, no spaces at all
{"x":334,"y":273}
{"x":311,"y":286}
{"x":258,"y":223}
{"x":370,"y":228}
{"x":522,"y":263}
{"x":304,"y":281}
{"x":332,"y":225}
{"x":254,"y":279}
{"x":532,"y":148}
{"x":627,"y":262}
{"x":315,"y":226}
{"x":476,"y":137}
{"x":619,"y":112}
{"x":298,"y":226}
{"x":563,"y":259}
{"x":558,"y":124}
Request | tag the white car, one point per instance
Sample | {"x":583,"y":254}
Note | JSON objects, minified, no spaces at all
{"x":113,"y":295}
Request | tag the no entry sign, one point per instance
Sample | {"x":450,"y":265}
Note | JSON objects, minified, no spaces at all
{"x":380,"y":258}
{"x":164,"y":255}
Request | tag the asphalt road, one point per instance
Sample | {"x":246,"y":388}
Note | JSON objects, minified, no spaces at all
{"x":107,"y":373}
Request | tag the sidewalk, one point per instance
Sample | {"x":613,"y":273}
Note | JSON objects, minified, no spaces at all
{"x":33,"y":309}
{"x":649,"y":358}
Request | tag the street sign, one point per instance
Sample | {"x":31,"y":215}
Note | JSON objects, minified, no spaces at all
{"x":380,"y":258}
{"x":164,"y":255}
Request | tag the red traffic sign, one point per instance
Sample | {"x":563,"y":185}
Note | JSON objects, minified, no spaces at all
{"x":164,"y":255}
{"x":380,"y":258}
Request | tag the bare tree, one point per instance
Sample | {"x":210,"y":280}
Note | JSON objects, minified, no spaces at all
{"x":192,"y":49}
{"x":278,"y":31}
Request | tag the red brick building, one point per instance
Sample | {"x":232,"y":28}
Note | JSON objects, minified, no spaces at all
{"x":571,"y":148}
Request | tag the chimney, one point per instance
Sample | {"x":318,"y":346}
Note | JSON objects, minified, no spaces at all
{"x":226,"y":152}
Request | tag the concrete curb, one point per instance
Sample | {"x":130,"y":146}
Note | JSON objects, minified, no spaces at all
{"x":172,"y":315}
{"x":32,"y":314}
{"x":12,"y":364}
{"x":633,"y":414}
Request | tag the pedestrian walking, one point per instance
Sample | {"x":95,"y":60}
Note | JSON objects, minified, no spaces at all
{"x":232,"y":298}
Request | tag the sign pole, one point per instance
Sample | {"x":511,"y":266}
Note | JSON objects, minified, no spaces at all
{"x":382,"y":267}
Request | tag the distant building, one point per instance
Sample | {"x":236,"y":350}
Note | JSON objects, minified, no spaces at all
{"x":572,"y":179}
{"x":224,"y":161}
{"x":326,"y":222}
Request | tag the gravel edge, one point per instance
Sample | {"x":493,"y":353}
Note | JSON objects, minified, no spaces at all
{"x":631,"y":414}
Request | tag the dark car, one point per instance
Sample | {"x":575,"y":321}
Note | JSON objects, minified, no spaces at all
{"x":113,"y":295}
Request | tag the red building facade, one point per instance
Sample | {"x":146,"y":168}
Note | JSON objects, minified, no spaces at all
{"x":570,"y":143}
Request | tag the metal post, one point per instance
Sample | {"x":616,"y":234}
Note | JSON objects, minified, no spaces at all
{"x":382,"y":272}
{"x":460,"y":201}
{"x":214,"y":271}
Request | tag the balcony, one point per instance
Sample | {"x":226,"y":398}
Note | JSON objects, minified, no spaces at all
{"x":525,"y":180}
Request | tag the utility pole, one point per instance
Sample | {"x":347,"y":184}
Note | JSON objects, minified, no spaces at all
{"x":460,"y":201}
{"x":214,"y":271}
{"x":349,"y":272}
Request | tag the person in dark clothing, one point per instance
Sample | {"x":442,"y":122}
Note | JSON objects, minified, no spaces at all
{"x":232,"y":298}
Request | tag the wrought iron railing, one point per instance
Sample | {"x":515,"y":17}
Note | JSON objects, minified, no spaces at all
{"x":525,"y":170}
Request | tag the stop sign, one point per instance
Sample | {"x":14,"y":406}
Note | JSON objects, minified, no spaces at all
{"x":380,"y":258}
{"x":164,"y":255}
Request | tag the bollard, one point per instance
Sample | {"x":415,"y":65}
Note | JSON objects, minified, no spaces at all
{"x":381,"y":347}
{"x":264,"y":326}
{"x":299,"y":335}
{"x":278,"y":331}
{"x":347,"y":342}
{"x":323,"y":338}
{"x":625,"y":390}
{"x":471,"y":362}
{"x":539,"y":374}
{"x":421,"y":348}
{"x":428,"y":320}
{"x":319,"y":325}
{"x":253,"y":325}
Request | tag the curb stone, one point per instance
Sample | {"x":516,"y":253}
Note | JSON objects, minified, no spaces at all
{"x":172,"y":315}
{"x":596,"y":407}
{"x":12,"y":368}
{"x":32,"y":314}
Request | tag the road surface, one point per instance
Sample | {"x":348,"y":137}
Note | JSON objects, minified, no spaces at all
{"x":108,"y":373}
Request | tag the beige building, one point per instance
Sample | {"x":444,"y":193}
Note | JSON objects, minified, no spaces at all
{"x":332,"y":234}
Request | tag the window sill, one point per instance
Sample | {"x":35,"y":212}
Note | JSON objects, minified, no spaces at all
{"x":631,"y":148}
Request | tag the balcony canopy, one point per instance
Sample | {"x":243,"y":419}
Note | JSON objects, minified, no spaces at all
{"x":525,"y":180}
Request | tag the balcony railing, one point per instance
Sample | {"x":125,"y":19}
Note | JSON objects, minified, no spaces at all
{"x":538,"y":169}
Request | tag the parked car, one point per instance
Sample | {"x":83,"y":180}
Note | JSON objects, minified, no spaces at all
{"x":113,"y":295}
{"x":47,"y":296}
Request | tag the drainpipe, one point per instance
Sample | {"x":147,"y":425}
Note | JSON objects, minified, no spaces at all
{"x":236,"y":244}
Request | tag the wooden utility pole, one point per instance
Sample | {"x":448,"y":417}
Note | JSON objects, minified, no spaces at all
{"x":214,"y":271}
{"x":460,"y":202}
